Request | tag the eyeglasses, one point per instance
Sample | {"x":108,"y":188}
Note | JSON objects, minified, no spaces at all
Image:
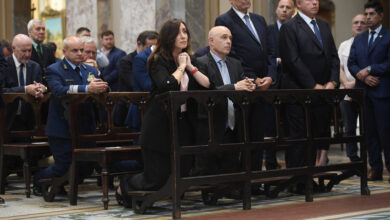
{"x":89,"y":52}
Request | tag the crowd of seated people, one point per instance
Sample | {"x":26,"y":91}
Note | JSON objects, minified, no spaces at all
{"x":243,"y":53}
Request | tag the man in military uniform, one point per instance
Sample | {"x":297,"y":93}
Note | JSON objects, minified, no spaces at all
{"x":67,"y":77}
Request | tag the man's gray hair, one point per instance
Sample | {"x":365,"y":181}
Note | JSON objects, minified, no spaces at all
{"x":86,"y":39}
{"x":31,"y":23}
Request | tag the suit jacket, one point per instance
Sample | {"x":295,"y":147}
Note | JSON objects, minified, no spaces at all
{"x":378,"y":57}
{"x":110,"y":73}
{"x":209,"y":67}
{"x":60,"y":77}
{"x":245,"y":47}
{"x":273,"y":41}
{"x":47,"y":57}
{"x":11,"y":85}
{"x":3,"y":69}
{"x":125,"y":72}
{"x":141,"y":83}
{"x":305,"y":61}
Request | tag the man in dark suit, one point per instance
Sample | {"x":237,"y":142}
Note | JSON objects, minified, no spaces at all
{"x":23,"y":76}
{"x":284,"y":11}
{"x":40,"y":54}
{"x":225,"y":73}
{"x":369,"y":62}
{"x":144,"y":41}
{"x":3,"y":69}
{"x":250,"y":46}
{"x":110,"y":73}
{"x":309,"y":61}
{"x":141,"y":83}
{"x":66,"y":77}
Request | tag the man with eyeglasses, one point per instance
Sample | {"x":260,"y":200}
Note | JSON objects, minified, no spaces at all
{"x":67,"y":77}
{"x":90,"y":51}
{"x":369,"y":62}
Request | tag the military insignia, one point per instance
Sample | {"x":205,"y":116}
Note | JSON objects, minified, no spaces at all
{"x":380,"y":36}
{"x":69,"y":80}
{"x":90,"y":77}
{"x":83,"y":66}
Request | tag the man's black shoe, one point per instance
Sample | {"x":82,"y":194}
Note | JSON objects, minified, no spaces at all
{"x":37,"y":191}
{"x":375,"y":175}
{"x":2,"y":201}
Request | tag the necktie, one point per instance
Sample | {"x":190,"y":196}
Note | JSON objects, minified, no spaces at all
{"x":226,"y":80}
{"x":371,"y":42}
{"x":22,"y":105}
{"x":317,"y":31}
{"x":184,"y":87}
{"x":248,"y":24}
{"x":21,"y":75}
{"x":39,"y":51}
{"x":78,"y":71}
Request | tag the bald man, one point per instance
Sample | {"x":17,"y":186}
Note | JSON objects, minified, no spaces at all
{"x":23,"y":76}
{"x":349,"y":109}
{"x":226,"y":73}
{"x":68,"y":77}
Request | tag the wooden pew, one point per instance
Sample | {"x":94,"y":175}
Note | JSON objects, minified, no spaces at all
{"x":109,"y":139}
{"x":177,"y":185}
{"x":33,"y":150}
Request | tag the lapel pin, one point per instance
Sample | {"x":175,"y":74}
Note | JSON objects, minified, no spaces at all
{"x":380,"y":36}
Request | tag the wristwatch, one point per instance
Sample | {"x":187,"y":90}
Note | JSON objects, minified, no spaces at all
{"x":369,"y":69}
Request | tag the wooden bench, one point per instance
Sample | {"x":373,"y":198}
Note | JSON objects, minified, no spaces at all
{"x":33,"y":150}
{"x":112,"y":142}
{"x":282,"y":178}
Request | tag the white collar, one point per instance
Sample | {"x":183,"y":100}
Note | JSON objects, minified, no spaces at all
{"x":17,"y":63}
{"x":240,"y":14}
{"x":306,"y":18}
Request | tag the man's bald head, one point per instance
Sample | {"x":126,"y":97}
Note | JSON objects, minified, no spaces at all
{"x":73,"y":49}
{"x":220,"y":41}
{"x":22,"y":46}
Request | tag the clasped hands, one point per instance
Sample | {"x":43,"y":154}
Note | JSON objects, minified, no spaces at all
{"x":184,"y":61}
{"x":97,"y":85}
{"x":364,"y":76}
{"x":36,"y":89}
{"x":246,"y":84}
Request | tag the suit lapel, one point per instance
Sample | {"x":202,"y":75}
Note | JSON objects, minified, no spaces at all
{"x":258,"y":28}
{"x":241,"y":23}
{"x":377,"y":40}
{"x":308,"y":30}
{"x":14,"y":73}
{"x":28,"y":74}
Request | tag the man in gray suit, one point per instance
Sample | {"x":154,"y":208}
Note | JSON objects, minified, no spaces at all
{"x":225,"y":73}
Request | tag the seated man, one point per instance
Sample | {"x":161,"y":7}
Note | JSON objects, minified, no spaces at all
{"x":67,"y":77}
{"x":225,"y":73}
{"x":22,"y":76}
{"x":3,"y":67}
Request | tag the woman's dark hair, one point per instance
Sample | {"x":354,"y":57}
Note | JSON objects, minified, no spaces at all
{"x":166,"y":41}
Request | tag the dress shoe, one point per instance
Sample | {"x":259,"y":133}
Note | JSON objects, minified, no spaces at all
{"x":375,"y":175}
{"x":2,"y":201}
{"x":37,"y":191}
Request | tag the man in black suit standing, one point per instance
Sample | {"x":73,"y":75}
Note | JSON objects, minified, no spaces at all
{"x":144,"y":40}
{"x":40,"y":54}
{"x":23,"y":76}
{"x":225,"y":73}
{"x":3,"y":69}
{"x":284,"y":11}
{"x":309,"y":61}
{"x":250,"y":46}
